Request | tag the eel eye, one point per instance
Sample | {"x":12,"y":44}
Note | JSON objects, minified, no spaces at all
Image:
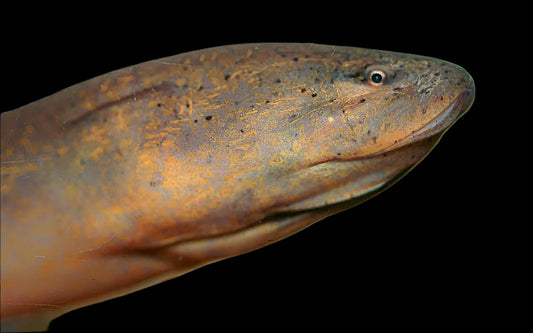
{"x":376,"y":77}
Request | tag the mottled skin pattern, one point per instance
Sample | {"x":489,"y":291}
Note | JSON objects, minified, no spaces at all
{"x":148,"y":172}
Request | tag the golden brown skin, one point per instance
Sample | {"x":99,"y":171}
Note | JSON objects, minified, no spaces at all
{"x":148,"y":172}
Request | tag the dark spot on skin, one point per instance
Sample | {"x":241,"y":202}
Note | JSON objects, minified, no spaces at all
{"x":343,"y":111}
{"x":278,"y":80}
{"x":159,"y":105}
{"x":200,"y":88}
{"x":332,"y":100}
{"x":187,"y":105}
{"x":424,"y":110}
{"x":241,"y":131}
{"x":362,"y":100}
{"x":195,"y":120}
{"x":338,"y":154}
{"x":295,"y":59}
{"x":267,"y":101}
{"x":303,"y":90}
{"x":352,"y":75}
{"x":153,"y":183}
{"x":295,"y":135}
{"x":208,"y":118}
{"x":313,"y":95}
{"x":227,"y":77}
{"x":368,"y":132}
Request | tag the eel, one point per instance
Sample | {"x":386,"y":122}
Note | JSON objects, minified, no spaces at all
{"x":148,"y":172}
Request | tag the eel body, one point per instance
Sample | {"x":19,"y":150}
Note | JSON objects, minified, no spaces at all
{"x":151,"y":171}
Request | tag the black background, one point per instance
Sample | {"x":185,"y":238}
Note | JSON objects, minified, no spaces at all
{"x":421,"y":254}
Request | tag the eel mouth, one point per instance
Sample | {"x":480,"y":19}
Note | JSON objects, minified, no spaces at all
{"x":437,"y":126}
{"x":446,"y":118}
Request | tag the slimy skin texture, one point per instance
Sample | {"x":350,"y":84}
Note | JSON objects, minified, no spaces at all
{"x":148,"y":172}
